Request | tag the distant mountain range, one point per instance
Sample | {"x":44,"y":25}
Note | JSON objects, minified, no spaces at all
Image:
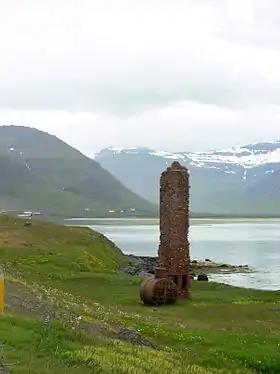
{"x":40,"y":172}
{"x":241,"y":180}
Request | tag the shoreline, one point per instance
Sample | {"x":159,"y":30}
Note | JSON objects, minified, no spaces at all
{"x":144,"y":266}
{"x":157,"y":219}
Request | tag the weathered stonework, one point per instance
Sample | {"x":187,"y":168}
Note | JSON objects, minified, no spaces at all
{"x":173,"y":253}
{"x":172,"y":276}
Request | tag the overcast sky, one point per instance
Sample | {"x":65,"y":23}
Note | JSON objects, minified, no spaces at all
{"x":173,"y":75}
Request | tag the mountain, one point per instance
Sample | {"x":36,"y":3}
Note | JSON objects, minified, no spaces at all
{"x":241,"y":180}
{"x":38,"y":171}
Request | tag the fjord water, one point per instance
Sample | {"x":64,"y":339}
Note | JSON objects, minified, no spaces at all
{"x":255,"y":243}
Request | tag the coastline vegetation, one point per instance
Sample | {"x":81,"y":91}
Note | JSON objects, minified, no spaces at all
{"x":98,"y":323}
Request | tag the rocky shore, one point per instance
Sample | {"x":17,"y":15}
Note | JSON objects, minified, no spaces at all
{"x":142,"y":266}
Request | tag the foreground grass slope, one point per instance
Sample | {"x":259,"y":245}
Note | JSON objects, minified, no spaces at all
{"x":96,"y":315}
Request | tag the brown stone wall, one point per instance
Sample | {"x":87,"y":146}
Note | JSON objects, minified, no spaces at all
{"x":173,"y":250}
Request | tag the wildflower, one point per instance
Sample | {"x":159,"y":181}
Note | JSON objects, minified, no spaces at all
{"x":46,"y":321}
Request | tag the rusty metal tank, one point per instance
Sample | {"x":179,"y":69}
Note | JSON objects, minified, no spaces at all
{"x":158,"y":291}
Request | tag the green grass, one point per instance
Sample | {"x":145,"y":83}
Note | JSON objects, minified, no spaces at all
{"x":49,"y":251}
{"x":28,"y":346}
{"x":222,"y":329}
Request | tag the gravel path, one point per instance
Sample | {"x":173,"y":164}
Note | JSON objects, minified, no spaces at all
{"x":20,"y":300}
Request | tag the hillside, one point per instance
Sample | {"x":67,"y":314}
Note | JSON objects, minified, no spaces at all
{"x":239,"y":180}
{"x":41,"y":172}
{"x":67,"y":311}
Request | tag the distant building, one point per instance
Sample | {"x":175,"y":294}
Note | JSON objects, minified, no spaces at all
{"x":28,"y":213}
{"x":37,"y":213}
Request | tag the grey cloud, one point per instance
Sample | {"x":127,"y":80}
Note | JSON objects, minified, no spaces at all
{"x":131,"y":62}
{"x":62,"y":91}
{"x":178,"y":75}
{"x":263,"y":32}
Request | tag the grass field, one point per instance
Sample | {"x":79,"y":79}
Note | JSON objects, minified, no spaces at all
{"x":70,"y":275}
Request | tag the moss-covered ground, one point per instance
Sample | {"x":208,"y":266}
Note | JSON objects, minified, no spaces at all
{"x":70,"y":274}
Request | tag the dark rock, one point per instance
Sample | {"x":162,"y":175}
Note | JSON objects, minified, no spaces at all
{"x":207,"y":260}
{"x":5,"y":371}
{"x":144,"y":274}
{"x":3,"y":368}
{"x":134,"y":337}
{"x":130,"y":270}
{"x":202,"y":278}
{"x":138,"y":264}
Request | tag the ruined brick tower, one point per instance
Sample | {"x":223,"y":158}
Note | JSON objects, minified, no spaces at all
{"x":173,"y":253}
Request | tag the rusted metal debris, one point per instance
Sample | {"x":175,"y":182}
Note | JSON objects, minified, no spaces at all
{"x":157,"y":291}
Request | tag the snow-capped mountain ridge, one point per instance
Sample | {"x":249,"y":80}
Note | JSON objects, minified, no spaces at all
{"x":244,"y":178}
{"x":246,"y":156}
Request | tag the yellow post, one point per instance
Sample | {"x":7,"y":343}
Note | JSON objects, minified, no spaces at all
{"x":1,"y":293}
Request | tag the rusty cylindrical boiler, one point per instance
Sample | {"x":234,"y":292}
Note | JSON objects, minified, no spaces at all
{"x":158,"y":291}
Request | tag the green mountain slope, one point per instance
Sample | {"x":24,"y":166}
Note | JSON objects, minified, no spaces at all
{"x":263,"y":197}
{"x":39,"y":171}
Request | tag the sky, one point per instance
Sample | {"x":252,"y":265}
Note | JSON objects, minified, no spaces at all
{"x":180,"y":75}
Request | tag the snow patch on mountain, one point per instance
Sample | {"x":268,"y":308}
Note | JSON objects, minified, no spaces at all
{"x":139,"y":150}
{"x":269,"y":172}
{"x":12,"y":149}
{"x":248,"y":156}
{"x":245,"y":156}
{"x":239,"y":156}
{"x":172,"y":156}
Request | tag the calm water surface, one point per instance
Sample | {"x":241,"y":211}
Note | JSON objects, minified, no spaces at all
{"x":253,"y":243}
